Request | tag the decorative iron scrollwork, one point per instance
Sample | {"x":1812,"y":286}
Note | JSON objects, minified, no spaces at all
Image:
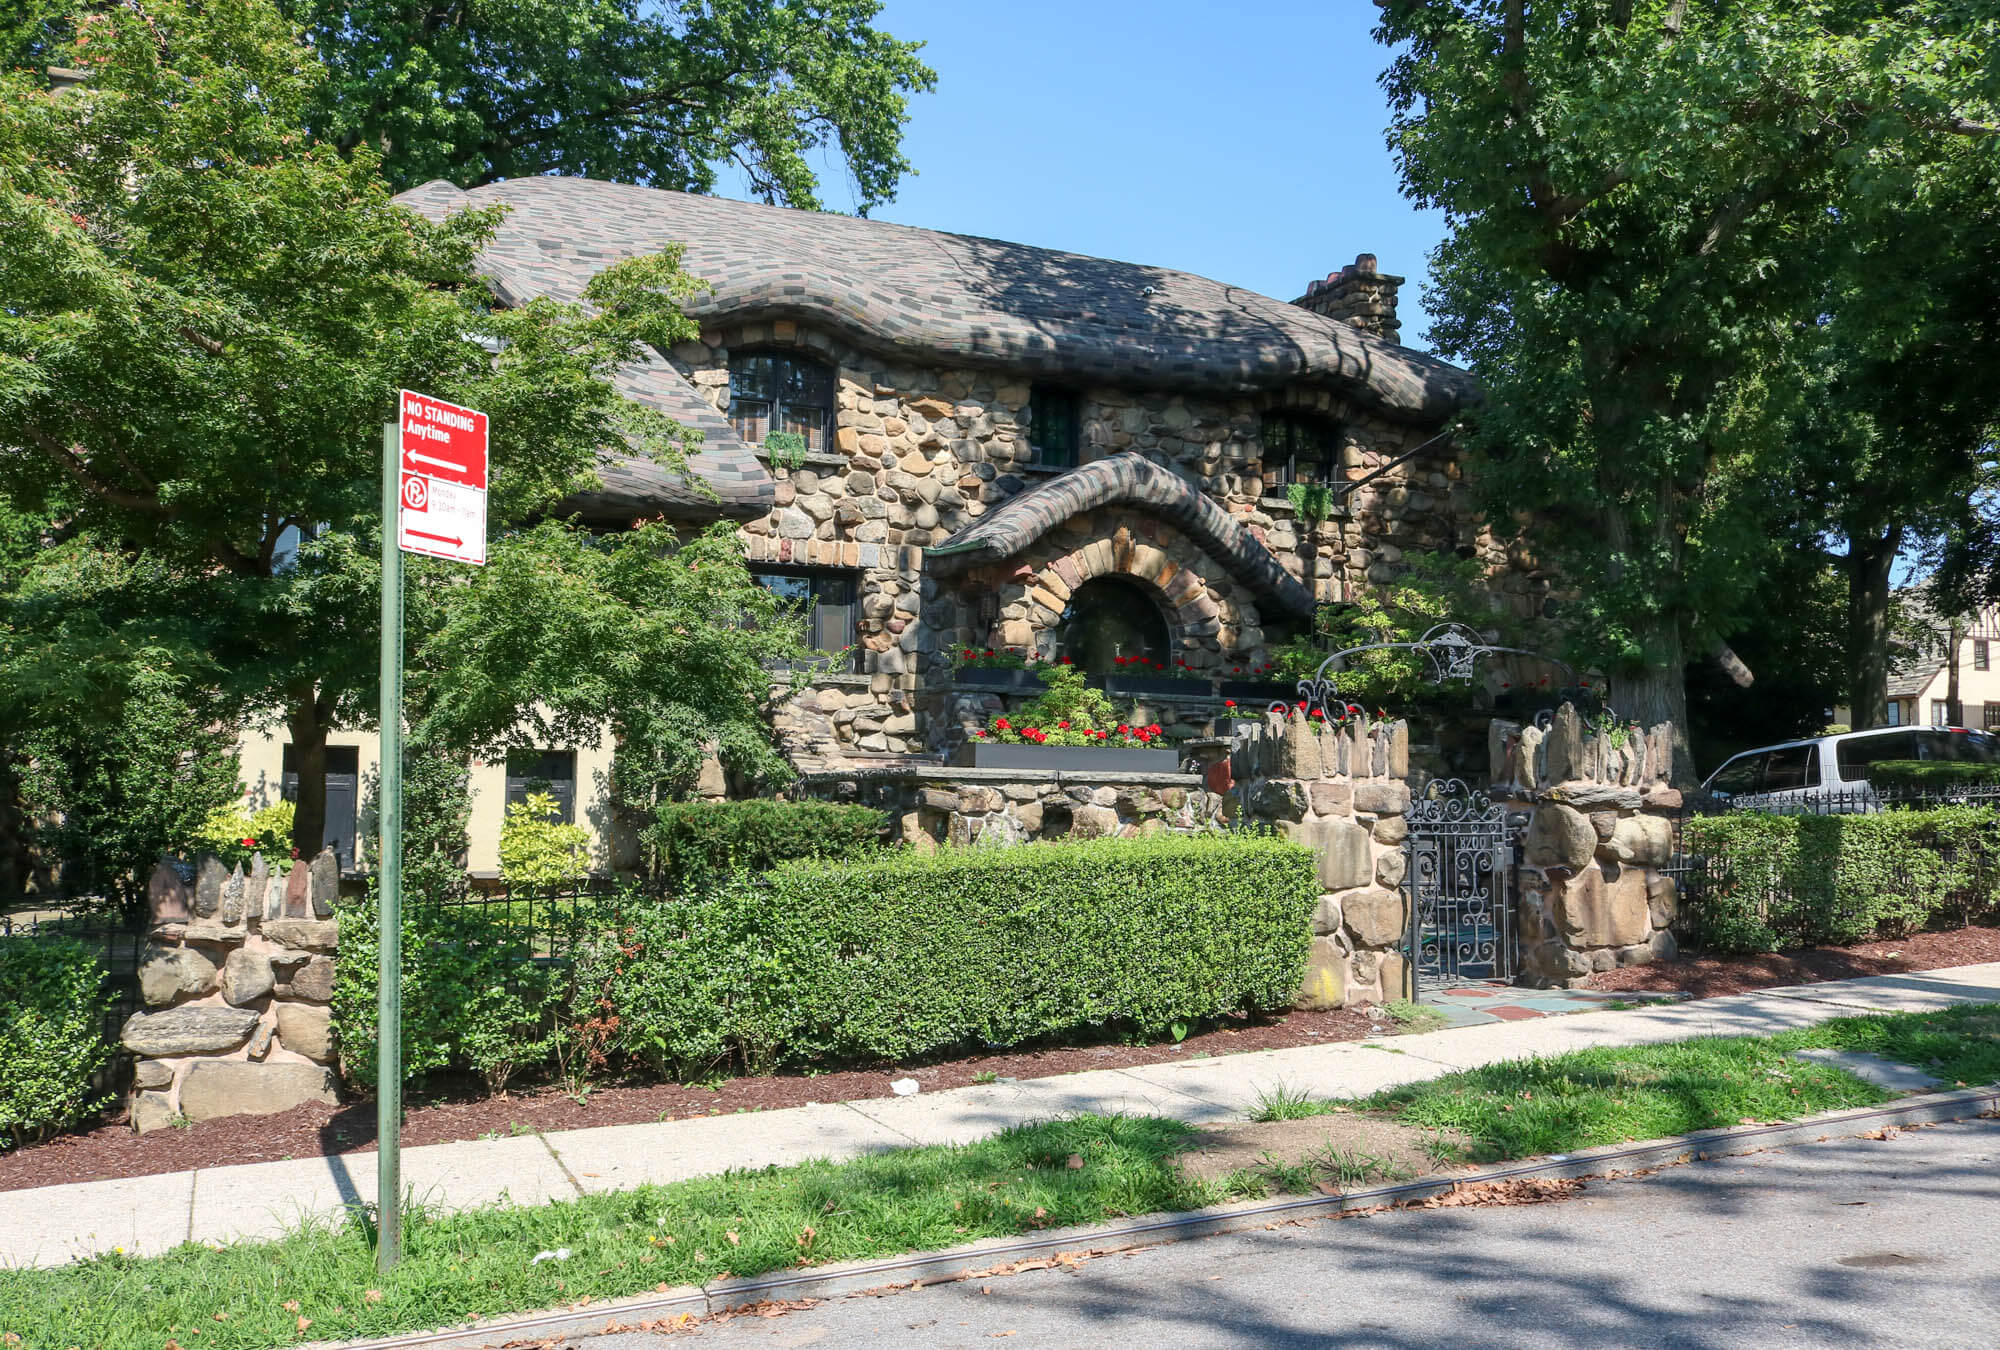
{"x":1452,"y":651}
{"x":1460,"y":865}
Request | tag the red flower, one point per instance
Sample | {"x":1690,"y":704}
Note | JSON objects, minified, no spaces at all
{"x":1318,"y":713}
{"x":249,"y":843}
{"x":980,"y":734}
{"x":1062,"y":726}
{"x":1155,"y":728}
{"x":1124,"y":730}
{"x":1002,"y":723}
{"x":989,"y":651}
{"x":1229,"y":703}
{"x":1065,"y":661}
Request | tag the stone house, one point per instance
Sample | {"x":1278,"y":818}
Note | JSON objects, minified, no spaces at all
{"x":1004,"y":446}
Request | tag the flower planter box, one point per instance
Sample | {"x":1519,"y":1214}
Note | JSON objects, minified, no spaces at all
{"x":1138,"y":686}
{"x":1260,"y":691}
{"x":992,"y":677}
{"x":1067,"y":758}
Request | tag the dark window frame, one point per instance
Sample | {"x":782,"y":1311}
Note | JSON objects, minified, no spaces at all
{"x":1991,"y":717}
{"x":1291,"y":439}
{"x":556,"y":768}
{"x":1055,"y":427}
{"x":1940,"y":712}
{"x":782,"y":383}
{"x":343,"y":797}
{"x":833,"y":619}
{"x":1982,"y":654}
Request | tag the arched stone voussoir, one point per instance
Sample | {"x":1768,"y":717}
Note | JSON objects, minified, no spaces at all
{"x":1124,"y":480}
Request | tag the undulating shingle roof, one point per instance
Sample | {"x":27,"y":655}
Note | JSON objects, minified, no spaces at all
{"x":928,"y":297}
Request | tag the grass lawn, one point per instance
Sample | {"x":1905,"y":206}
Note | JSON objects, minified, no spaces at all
{"x":320,"y":1284}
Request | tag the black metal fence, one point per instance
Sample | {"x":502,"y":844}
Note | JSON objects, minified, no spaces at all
{"x":531,"y":926}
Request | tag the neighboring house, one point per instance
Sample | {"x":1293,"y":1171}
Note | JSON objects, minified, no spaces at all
{"x":1004,"y":446}
{"x":1920,"y":670}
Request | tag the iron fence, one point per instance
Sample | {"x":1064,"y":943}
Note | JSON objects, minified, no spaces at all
{"x":524,"y":927}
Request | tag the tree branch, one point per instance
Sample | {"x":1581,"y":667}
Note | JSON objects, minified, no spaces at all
{"x":207,"y":344}
{"x":69,"y":461}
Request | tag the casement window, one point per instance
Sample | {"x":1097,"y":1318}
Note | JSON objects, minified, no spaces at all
{"x":343,"y":797}
{"x":1298,"y":449}
{"x":1982,"y":655}
{"x":552,"y":772}
{"x":828,"y":599}
{"x":1055,"y":426}
{"x":772,"y":391}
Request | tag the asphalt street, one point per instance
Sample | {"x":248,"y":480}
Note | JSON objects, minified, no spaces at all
{"x":1892,"y":1242}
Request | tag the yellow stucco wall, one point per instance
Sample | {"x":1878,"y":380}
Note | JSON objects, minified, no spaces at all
{"x":260,"y":759}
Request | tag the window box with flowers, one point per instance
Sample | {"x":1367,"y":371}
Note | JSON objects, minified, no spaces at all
{"x":1135,"y":676}
{"x":996,"y":668}
{"x":1070,"y":727}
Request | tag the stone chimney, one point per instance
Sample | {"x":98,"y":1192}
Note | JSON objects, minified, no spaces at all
{"x":1360,"y":295}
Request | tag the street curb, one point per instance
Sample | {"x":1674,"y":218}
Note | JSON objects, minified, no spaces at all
{"x":931,"y":1267}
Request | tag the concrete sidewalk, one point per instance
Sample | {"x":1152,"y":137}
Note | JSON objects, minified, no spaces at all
{"x":148,"y":1215}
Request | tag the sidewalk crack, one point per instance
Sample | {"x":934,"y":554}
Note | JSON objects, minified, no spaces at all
{"x":193,"y":1178}
{"x":874,"y":1120}
{"x":574,"y":1183}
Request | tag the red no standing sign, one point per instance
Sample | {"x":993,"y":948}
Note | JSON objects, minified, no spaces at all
{"x":442,"y":509}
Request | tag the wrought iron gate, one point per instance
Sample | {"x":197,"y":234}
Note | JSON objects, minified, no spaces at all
{"x":1459,"y":881}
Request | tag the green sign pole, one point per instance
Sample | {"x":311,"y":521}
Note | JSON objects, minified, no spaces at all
{"x":389,"y":1008}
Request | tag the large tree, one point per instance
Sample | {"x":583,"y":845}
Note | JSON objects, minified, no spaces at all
{"x":1640,"y":196}
{"x":207,"y":318}
{"x":660,"y":92}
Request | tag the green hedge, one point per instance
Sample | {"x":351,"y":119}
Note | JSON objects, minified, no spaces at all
{"x":1928,"y":775}
{"x":825,"y":962}
{"x":916,"y":953}
{"x":1792,"y":881}
{"x":52,"y":1010}
{"x":699,"y":842}
{"x":474,"y":996}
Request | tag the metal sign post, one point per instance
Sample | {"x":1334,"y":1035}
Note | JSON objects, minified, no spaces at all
{"x":434,"y":503}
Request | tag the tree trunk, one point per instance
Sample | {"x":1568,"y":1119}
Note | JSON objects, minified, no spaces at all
{"x":1954,"y":709}
{"x":1869,"y":563}
{"x":1659,"y":694}
{"x":308,"y":728}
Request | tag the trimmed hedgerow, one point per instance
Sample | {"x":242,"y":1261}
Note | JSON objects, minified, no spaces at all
{"x":1795,"y":881}
{"x":52,"y":1010}
{"x":916,"y":953}
{"x":1930,"y":775}
{"x":701,"y":842}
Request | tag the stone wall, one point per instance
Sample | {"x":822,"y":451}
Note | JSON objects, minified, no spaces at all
{"x":1594,"y":892}
{"x":1342,"y":791}
{"x":238,"y":983}
{"x":931,"y":806}
{"x":918,"y":452}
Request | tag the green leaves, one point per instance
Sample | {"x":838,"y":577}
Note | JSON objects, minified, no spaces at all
{"x":660,"y":94}
{"x":52,"y":1011}
{"x":1644,"y":200}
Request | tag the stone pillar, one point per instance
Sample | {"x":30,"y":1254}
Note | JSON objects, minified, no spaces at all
{"x":238,"y":994}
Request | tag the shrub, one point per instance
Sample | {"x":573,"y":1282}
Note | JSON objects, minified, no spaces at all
{"x":699,"y":842}
{"x":537,"y":848}
{"x":235,"y":835}
{"x":52,"y":1011}
{"x":1068,"y":712}
{"x":1790,"y":881}
{"x":912,"y":953}
{"x":1925,"y":775}
{"x":475,"y":998}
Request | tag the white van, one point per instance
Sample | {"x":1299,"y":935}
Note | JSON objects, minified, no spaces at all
{"x":1830,"y":773}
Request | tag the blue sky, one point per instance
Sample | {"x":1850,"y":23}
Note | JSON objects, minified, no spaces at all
{"x":1241,"y":142}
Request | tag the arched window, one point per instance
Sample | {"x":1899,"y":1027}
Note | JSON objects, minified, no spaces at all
{"x":772,"y":391}
{"x":1108,"y":618}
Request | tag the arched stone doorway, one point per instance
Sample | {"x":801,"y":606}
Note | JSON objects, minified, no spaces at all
{"x":1112,"y":620}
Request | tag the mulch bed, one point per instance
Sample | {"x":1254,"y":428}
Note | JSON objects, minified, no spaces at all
{"x":461,"y":1111}
{"x":1712,"y":976}
{"x":456,"y":1112}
